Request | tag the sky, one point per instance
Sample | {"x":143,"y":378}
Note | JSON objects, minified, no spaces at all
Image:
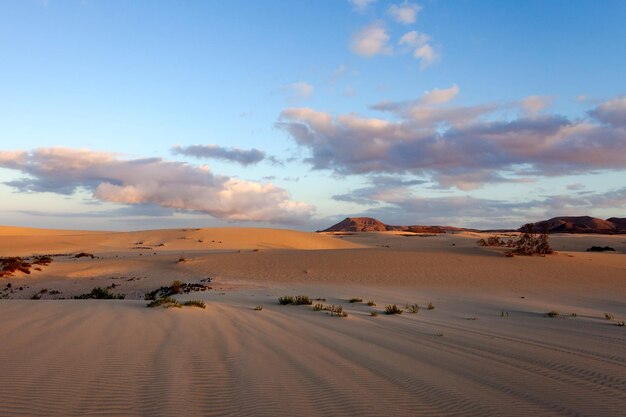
{"x":127,"y":115}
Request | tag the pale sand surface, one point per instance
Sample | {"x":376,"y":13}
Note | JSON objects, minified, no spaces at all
{"x":116,"y":357}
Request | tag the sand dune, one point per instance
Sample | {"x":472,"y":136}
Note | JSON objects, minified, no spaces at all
{"x":116,"y":357}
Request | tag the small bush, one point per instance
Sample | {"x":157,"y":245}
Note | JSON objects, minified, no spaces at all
{"x":84,"y":255}
{"x":100,"y":293}
{"x":258,"y":308}
{"x":505,"y":313}
{"x":318,"y":307}
{"x":195,"y":303}
{"x":430,"y":306}
{"x":601,"y":249}
{"x":176,"y":287}
{"x":553,"y":314}
{"x":35,"y":296}
{"x":608,"y":316}
{"x":374,"y":313}
{"x":297,"y":300}
{"x":355,"y":300}
{"x":413,"y":308}
{"x":166,"y":302}
{"x":392,"y":309}
{"x":620,"y":323}
{"x":337,"y":311}
{"x":371,"y":303}
{"x":285,"y":300}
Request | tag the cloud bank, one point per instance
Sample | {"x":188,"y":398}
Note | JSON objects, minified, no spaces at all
{"x":461,"y":146}
{"x":168,"y":184}
{"x":241,"y":156}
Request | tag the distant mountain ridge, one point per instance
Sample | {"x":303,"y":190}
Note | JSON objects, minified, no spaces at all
{"x":562,"y":224}
{"x":370,"y":224}
{"x":582,"y":224}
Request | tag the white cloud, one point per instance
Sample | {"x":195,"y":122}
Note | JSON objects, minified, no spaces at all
{"x":242,"y":156}
{"x":301,"y":90}
{"x":371,"y":40}
{"x":168,"y":184}
{"x":535,"y":104}
{"x":439,"y":96}
{"x":419,"y":43}
{"x":361,"y":5}
{"x":404,"y":13}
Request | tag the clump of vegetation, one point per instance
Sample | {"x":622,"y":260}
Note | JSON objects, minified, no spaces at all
{"x":42,"y":260}
{"x":530,"y":243}
{"x":505,"y":313}
{"x":181,"y":260}
{"x":13,"y":264}
{"x":374,"y":313}
{"x":297,"y":300}
{"x":166,"y":302}
{"x":195,"y":303}
{"x":36,"y":296}
{"x":355,"y":300}
{"x":392,"y":309}
{"x":371,"y":303}
{"x":258,"y":308}
{"x":553,"y":314}
{"x":601,"y":249}
{"x":100,"y":293}
{"x":84,"y":255}
{"x":620,"y":323}
{"x":176,"y":287}
{"x":413,"y":308}
{"x":430,"y":306}
{"x":318,"y":307}
{"x":439,"y":334}
{"x":337,"y":311}
{"x":495,"y":240}
{"x":608,"y":316}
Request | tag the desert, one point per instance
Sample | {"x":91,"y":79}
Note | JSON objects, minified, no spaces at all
{"x":492,"y":335}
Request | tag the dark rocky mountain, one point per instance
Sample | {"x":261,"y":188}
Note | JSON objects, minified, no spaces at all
{"x":582,"y":224}
{"x":370,"y":224}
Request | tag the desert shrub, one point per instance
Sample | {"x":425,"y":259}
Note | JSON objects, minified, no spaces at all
{"x":35,"y":296}
{"x":84,"y":255}
{"x":608,"y":316}
{"x":553,"y":314}
{"x":176,"y":287}
{"x":371,"y":303}
{"x":392,"y":309}
{"x":337,"y":311}
{"x":530,"y":243}
{"x":100,"y":293}
{"x":302,"y":300}
{"x":13,"y":264}
{"x":42,"y":260}
{"x":356,"y":300}
{"x":430,"y":306}
{"x":258,"y":308}
{"x":413,"y":308}
{"x":181,"y":260}
{"x":318,"y":307}
{"x":166,"y":302}
{"x":195,"y":303}
{"x":601,"y":249}
{"x":285,"y":300}
{"x":374,"y":313}
{"x":620,"y":323}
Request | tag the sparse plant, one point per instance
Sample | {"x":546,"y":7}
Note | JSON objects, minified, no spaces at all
{"x":374,"y":313}
{"x":439,"y":334}
{"x":195,"y":303}
{"x":529,"y":243}
{"x":100,"y":293}
{"x":371,"y":303}
{"x":413,"y":308}
{"x":36,"y":296}
{"x":504,"y":313}
{"x":355,"y":300}
{"x":181,"y":260}
{"x":166,"y":302}
{"x":176,"y":287}
{"x":553,"y":313}
{"x":392,"y":309}
{"x":285,"y":300}
{"x":334,"y":310}
{"x":302,"y":300}
{"x":318,"y":307}
{"x":620,"y":323}
{"x":258,"y":308}
{"x":608,"y":316}
{"x":430,"y":306}
{"x":84,"y":255}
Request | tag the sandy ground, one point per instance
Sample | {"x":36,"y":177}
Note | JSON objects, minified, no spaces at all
{"x":487,"y":348}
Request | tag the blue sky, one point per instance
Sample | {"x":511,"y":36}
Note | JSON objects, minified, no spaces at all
{"x":482,"y":114}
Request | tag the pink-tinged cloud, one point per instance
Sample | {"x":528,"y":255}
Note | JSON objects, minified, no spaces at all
{"x":461,"y":146}
{"x":156,"y":181}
